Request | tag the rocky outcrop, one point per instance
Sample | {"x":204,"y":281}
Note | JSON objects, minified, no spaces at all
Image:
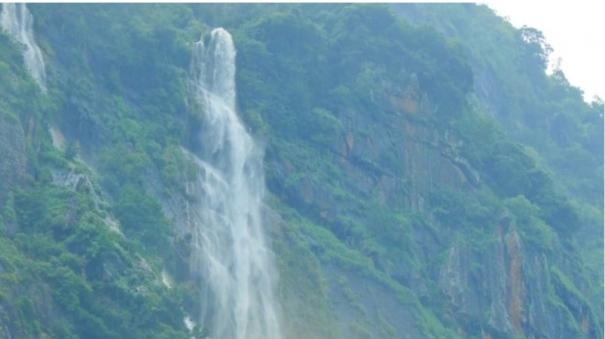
{"x":506,"y":286}
{"x":79,"y":176}
{"x":485,"y":286}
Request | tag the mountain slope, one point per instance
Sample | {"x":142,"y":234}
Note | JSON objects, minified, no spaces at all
{"x":413,"y":160}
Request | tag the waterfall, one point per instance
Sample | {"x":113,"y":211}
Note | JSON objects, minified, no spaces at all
{"x":229,"y":248}
{"x":17,"y":21}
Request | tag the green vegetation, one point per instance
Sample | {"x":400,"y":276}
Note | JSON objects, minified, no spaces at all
{"x":405,"y":147}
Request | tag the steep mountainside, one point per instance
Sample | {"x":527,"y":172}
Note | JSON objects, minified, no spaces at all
{"x":424,"y":177}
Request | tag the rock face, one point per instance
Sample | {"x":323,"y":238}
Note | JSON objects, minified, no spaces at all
{"x":396,"y":156}
{"x":497,"y":287}
{"x":507,"y":287}
{"x":398,"y":160}
{"x":489,"y":286}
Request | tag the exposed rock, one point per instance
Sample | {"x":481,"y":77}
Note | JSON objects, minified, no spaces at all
{"x":506,"y":283}
{"x":77,"y":181}
{"x":515,"y":274}
{"x":58,"y":139}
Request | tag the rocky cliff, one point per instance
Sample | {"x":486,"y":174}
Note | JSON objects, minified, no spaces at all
{"x":413,"y":190}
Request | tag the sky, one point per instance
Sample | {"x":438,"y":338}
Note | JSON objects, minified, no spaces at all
{"x":576,"y":31}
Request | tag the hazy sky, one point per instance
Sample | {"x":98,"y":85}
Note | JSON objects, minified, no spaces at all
{"x":576,"y":31}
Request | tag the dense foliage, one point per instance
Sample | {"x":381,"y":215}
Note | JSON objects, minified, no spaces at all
{"x":389,"y":146}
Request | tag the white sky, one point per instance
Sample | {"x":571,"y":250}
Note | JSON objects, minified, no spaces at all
{"x":576,"y":31}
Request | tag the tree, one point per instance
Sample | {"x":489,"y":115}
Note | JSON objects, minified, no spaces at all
{"x":536,"y":46}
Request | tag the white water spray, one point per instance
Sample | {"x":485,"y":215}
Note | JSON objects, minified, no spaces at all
{"x":229,"y":246}
{"x":17,"y":21}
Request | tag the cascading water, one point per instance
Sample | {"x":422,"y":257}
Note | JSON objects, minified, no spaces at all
{"x":17,"y":21}
{"x":229,"y":246}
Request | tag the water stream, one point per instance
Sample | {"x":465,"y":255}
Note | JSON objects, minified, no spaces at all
{"x":229,"y":243}
{"x":17,"y":21}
